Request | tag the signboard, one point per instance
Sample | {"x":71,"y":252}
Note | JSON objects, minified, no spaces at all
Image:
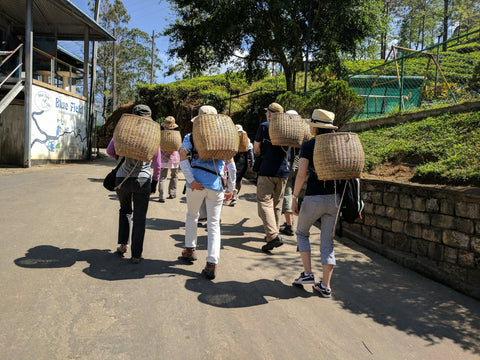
{"x":58,"y":126}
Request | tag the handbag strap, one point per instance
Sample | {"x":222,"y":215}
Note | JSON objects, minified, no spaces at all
{"x":126,"y":177}
{"x":120,"y":163}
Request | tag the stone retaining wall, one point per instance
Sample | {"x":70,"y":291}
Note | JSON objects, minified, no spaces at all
{"x":434,"y":230}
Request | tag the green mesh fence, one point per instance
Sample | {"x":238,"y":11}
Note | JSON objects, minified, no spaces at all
{"x":407,"y":79}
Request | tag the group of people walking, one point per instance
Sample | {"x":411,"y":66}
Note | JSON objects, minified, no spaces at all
{"x":276,"y":165}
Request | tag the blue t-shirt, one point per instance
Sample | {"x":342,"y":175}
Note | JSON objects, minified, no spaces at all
{"x":315,"y":186}
{"x":207,"y":179}
{"x":274,"y":158}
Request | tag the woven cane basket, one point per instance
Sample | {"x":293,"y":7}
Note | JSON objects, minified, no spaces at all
{"x":338,"y":156}
{"x":307,"y":135}
{"x":243,"y":144}
{"x":136,"y":137}
{"x":286,"y":130}
{"x":171,"y":140}
{"x":215,"y":136}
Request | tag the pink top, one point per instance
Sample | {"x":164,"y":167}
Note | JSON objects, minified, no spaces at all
{"x":170,"y":159}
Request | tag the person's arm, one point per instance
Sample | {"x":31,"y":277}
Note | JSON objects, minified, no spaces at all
{"x":256,"y":147}
{"x":299,"y":181}
{"x":157,"y":166}
{"x":250,"y":157}
{"x":187,"y":170}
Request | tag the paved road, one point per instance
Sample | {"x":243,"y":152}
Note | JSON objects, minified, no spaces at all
{"x":66,"y":296}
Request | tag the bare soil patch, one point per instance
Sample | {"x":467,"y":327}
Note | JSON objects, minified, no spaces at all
{"x":391,"y":172}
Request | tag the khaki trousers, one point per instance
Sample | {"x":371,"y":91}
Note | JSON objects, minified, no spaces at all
{"x":269,"y":202}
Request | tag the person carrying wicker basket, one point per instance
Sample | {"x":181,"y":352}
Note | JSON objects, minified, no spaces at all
{"x":204,"y":184}
{"x":321,"y":201}
{"x":135,"y":183}
{"x":170,"y":161}
{"x":272,"y":178}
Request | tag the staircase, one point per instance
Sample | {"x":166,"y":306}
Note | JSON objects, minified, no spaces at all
{"x":11,"y":85}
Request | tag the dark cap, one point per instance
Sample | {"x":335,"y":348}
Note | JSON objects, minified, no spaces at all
{"x":142,"y":110}
{"x":275,"y":108}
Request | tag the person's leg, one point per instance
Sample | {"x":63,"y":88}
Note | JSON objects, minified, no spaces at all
{"x":265,"y":189}
{"x":125,"y":197}
{"x":327,"y":252}
{"x":213,"y":203}
{"x":141,"y":198}
{"x":194,"y":201}
{"x":278,"y":192}
{"x":162,"y":184}
{"x":172,"y":186}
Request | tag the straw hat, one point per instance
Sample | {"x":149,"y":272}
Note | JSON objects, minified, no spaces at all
{"x":169,"y":123}
{"x":239,"y":128}
{"x":206,"y":109}
{"x":322,"y":119}
{"x":275,"y":108}
{"x":291,"y":112}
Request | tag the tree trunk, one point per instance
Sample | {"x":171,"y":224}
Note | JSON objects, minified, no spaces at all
{"x":445,"y":24}
{"x":290,"y":74}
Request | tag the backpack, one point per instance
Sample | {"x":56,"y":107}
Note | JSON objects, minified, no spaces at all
{"x":352,"y":203}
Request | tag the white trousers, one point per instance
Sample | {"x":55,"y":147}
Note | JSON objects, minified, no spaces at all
{"x":213,"y":201}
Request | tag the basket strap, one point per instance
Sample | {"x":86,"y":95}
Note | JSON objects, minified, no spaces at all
{"x":130,"y":173}
{"x":339,"y":206}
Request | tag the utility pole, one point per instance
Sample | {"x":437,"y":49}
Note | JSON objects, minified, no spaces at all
{"x":91,"y":115}
{"x":114,"y":85}
{"x":153,"y":57}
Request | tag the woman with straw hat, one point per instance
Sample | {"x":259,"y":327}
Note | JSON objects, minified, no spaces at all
{"x":321,"y":201}
{"x":170,"y":161}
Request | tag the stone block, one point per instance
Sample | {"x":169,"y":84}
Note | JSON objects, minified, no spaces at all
{"x":473,"y":276}
{"x":419,"y":204}
{"x":379,"y":210}
{"x":420,"y":247}
{"x":366,"y":231}
{"x":370,"y":220}
{"x":397,"y":226}
{"x":403,"y":243}
{"x":468,"y":210}
{"x":435,"y":251}
{"x":366,"y":197}
{"x":390,"y":199}
{"x":450,"y":255}
{"x":475,"y":242}
{"x":432,"y":234}
{"x":390,"y":211}
{"x":442,"y":221}
{"x":456,"y":239}
{"x":376,"y":235}
{"x":389,"y":239}
{"x":377,"y":197}
{"x":418,"y":217}
{"x":413,"y":230}
{"x":400,"y":214}
{"x":405,"y":201}
{"x":466,"y":259}
{"x":464,"y":225}
{"x":384,"y":223}
{"x":447,"y":206}
{"x":368,"y":208}
{"x":432,"y":205}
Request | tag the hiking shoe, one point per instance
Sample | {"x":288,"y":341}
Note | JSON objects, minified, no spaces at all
{"x":122,"y":249}
{"x":233,"y":202}
{"x":136,"y":260}
{"x":277,"y":242}
{"x":287,"y":230}
{"x":305,"y":279}
{"x":161,"y":200}
{"x":171,"y":196}
{"x":189,"y":254}
{"x":210,"y":270}
{"x":322,"y":290}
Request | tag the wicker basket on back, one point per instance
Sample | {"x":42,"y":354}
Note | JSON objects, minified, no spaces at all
{"x":215,"y":136}
{"x":286,"y":129}
{"x":243,"y":144}
{"x":136,"y":137}
{"x":338,"y":156}
{"x":171,"y":140}
{"x":307,"y":134}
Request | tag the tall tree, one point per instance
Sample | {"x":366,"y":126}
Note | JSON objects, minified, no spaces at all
{"x":211,"y":32}
{"x":133,"y":56}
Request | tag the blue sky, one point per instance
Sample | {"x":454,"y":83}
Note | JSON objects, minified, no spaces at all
{"x":146,"y":15}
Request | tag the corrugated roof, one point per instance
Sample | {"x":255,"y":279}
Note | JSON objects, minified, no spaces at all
{"x":59,"y":18}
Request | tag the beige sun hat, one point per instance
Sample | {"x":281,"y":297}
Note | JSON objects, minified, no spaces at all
{"x":322,"y":119}
{"x":291,"y":112}
{"x":206,"y":109}
{"x":239,"y":127}
{"x":169,"y":123}
{"x":275,"y":108}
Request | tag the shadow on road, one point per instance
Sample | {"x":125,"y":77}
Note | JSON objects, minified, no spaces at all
{"x":234,"y":294}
